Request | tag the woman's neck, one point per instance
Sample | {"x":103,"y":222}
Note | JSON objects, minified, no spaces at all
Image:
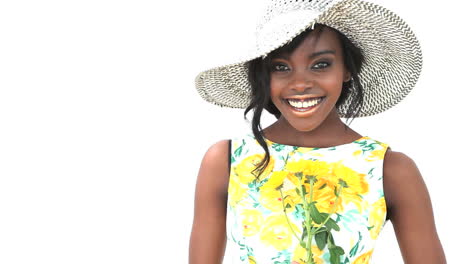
{"x":331,"y":132}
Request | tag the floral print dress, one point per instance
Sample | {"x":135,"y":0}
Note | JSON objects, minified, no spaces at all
{"x":310,"y":205}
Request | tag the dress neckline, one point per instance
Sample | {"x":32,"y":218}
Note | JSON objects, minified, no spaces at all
{"x":269,"y":142}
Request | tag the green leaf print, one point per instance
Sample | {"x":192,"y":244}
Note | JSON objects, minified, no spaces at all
{"x":283,"y":257}
{"x":331,"y":224}
{"x":371,"y":173}
{"x":335,"y":253}
{"x":331,"y":241}
{"x":362,"y":143}
{"x":321,"y":239}
{"x":315,"y":214}
{"x":282,"y":262}
{"x":355,"y":248}
{"x":304,"y":232}
{"x":277,"y":147}
{"x":370,"y":147}
{"x":343,"y":183}
{"x":346,"y":261}
{"x":298,"y":212}
{"x":338,"y":217}
{"x":298,"y":192}
{"x":335,"y":191}
{"x":238,"y":151}
{"x":248,"y":249}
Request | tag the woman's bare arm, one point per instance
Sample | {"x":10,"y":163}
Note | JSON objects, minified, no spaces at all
{"x":208,"y":237}
{"x":410,"y":211}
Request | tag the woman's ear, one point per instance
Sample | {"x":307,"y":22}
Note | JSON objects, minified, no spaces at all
{"x":347,"y":76}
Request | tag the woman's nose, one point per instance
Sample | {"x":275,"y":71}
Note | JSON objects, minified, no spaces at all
{"x":300,"y":81}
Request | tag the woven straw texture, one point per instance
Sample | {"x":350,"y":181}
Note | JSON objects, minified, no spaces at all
{"x":392,"y":54}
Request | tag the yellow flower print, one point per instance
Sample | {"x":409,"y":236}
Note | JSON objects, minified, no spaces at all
{"x":350,"y":196}
{"x":244,"y":169}
{"x":237,"y":191}
{"x":252,"y":220}
{"x":325,"y":198}
{"x":377,"y":217}
{"x":275,"y":180}
{"x":292,"y":197}
{"x":364,"y":258}
{"x":356,"y":181}
{"x":294,"y":180}
{"x":252,"y":260}
{"x":288,"y":182}
{"x":356,"y":185}
{"x":300,"y":255}
{"x":307,"y":167}
{"x":277,"y":233}
{"x":357,"y":152}
{"x":377,"y":154}
{"x":271,"y":199}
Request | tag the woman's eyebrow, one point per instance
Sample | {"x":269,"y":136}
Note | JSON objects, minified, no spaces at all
{"x":318,"y":53}
{"x":313,"y":55}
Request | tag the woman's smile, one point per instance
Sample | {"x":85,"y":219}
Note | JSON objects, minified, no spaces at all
{"x":305,"y":106}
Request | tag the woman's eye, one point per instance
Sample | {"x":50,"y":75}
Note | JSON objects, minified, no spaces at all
{"x":321,"y":65}
{"x":280,"y":67}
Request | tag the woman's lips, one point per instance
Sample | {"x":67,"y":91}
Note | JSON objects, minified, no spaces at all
{"x":305,"y":110}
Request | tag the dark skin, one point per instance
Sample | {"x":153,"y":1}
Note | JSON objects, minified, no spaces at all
{"x":408,"y":202}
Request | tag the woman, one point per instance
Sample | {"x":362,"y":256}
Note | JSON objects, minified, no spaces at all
{"x":308,"y":188}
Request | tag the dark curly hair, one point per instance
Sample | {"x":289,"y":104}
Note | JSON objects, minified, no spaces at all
{"x":259,"y":78}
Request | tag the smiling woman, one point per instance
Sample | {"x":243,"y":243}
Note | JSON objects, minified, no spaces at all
{"x":308,"y":189}
{"x":318,"y":63}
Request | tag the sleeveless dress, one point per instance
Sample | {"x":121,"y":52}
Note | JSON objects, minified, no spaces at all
{"x":276,"y":220}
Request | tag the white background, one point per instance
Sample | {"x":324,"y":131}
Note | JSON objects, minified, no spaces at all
{"x":102,"y":131}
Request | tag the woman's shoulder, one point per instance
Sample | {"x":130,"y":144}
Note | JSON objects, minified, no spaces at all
{"x":213,"y":176}
{"x":401,"y":175}
{"x":216,"y":154}
{"x":409,"y":207}
{"x":398,"y":164}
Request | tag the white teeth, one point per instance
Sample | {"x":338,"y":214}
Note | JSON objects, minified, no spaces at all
{"x":304,"y":104}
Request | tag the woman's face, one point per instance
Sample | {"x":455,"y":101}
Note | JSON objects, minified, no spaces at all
{"x":315,"y":70}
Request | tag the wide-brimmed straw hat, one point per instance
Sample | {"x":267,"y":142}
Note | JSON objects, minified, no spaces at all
{"x":392,"y":54}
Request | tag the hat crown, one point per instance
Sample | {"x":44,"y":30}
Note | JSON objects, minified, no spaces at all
{"x":283,"y":19}
{"x":275,"y":8}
